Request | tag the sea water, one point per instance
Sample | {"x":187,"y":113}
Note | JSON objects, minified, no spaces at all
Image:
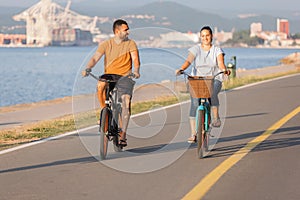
{"x":35,"y":74}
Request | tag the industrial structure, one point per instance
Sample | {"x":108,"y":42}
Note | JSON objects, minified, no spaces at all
{"x":48,"y":23}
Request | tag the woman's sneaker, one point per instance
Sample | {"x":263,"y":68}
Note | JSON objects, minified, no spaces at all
{"x":216,"y":123}
{"x":192,"y":139}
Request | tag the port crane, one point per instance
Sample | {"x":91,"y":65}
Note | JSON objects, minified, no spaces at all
{"x":43,"y":18}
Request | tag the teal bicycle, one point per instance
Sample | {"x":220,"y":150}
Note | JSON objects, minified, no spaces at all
{"x":202,"y":88}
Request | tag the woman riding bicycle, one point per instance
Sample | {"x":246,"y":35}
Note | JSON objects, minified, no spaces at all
{"x":209,"y":60}
{"x":120,"y":54}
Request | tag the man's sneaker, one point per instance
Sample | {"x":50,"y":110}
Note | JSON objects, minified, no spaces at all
{"x":216,"y":123}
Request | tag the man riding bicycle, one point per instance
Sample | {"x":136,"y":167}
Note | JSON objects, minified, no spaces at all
{"x":120,"y":54}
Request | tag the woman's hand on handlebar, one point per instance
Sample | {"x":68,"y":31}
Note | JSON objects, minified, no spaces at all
{"x":227,"y":72}
{"x":178,"y":72}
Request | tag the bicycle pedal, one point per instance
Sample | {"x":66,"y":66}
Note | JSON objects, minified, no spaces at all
{"x":118,"y":132}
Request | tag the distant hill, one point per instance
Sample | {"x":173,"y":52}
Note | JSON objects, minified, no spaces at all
{"x":183,"y":18}
{"x":179,"y":17}
{"x":167,"y":15}
{"x":6,"y":14}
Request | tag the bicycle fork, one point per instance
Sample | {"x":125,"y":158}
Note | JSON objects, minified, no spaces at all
{"x":206,"y":110}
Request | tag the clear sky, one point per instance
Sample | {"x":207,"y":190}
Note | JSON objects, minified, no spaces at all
{"x":242,"y":5}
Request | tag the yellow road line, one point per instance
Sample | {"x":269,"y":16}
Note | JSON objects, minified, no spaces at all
{"x":208,"y":181}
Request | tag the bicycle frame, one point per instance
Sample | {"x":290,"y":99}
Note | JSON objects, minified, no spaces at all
{"x":109,"y":116}
{"x":115,"y":106}
{"x":110,"y":93}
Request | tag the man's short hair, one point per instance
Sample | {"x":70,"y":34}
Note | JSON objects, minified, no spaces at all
{"x":117,"y":23}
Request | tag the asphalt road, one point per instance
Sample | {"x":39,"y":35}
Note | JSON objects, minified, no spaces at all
{"x":252,"y":159}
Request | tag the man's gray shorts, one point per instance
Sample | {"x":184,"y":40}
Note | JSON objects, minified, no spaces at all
{"x":125,"y":86}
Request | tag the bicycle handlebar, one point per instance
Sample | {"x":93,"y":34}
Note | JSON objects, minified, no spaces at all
{"x":89,"y":73}
{"x":190,"y":76}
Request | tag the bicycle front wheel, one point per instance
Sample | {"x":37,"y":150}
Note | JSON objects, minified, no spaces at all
{"x":200,"y":134}
{"x":117,"y":124}
{"x":104,"y":127}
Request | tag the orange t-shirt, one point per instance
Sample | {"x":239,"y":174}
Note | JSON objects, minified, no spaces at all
{"x":117,"y":56}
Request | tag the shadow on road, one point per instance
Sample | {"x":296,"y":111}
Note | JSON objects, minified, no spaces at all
{"x":247,"y":115}
{"x":9,"y":123}
{"x":89,"y":159}
{"x":153,"y":149}
{"x":285,"y":141}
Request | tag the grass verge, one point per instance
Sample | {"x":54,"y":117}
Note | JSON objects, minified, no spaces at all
{"x":43,"y":129}
{"x":237,"y":82}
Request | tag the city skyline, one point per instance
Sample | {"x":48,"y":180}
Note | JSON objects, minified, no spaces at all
{"x":168,"y":14}
{"x":212,"y":4}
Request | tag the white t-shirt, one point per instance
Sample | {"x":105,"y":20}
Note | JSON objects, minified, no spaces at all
{"x":206,"y":61}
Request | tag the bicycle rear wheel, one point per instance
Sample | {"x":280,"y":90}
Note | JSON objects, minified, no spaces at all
{"x":104,"y":128}
{"x":116,"y":139}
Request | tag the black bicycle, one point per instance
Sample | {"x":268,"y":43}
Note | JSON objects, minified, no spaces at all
{"x":110,"y":115}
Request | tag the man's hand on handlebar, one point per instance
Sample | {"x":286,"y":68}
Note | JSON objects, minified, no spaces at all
{"x":136,"y":75}
{"x":86,"y":72}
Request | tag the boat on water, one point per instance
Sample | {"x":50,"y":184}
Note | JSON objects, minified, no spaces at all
{"x":71,"y":37}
